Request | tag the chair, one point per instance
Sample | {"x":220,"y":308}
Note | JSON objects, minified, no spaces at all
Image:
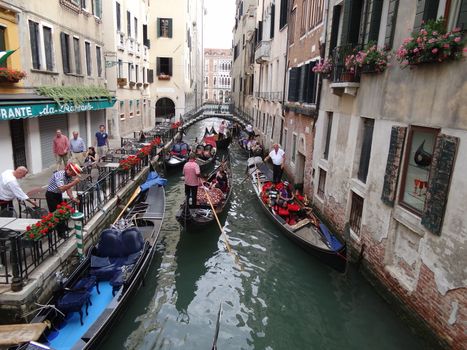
{"x":87,"y":283}
{"x":8,"y":213}
{"x":74,"y":301}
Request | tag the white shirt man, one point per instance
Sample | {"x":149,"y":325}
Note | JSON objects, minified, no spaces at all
{"x":277,"y":155}
{"x":10,"y":189}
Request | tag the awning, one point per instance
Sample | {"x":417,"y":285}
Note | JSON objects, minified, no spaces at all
{"x":21,"y":109}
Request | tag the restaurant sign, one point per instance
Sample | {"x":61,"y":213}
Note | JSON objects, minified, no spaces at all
{"x":42,"y":109}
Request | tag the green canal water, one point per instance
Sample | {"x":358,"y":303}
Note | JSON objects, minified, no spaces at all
{"x":280,"y":298}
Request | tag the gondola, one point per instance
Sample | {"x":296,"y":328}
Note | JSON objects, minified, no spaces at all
{"x":194,"y":218}
{"x":256,"y":151}
{"x":178,"y":155}
{"x":205,"y":152}
{"x":95,"y":294}
{"x":220,"y":144}
{"x":303,"y":228}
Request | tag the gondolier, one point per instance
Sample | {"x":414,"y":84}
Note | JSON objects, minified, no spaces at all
{"x":62,"y":181}
{"x":192,"y":173}
{"x":277,"y":155}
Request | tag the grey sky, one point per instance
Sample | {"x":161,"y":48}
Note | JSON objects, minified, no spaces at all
{"x":219,"y":22}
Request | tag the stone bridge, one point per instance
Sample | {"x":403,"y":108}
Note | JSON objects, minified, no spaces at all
{"x":216,"y":111}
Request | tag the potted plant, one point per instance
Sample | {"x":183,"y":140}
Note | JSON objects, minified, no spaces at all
{"x":431,"y":44}
{"x":369,"y":60}
{"x":11,"y":75}
{"x":163,"y":76}
{"x":122,"y":81}
{"x":49,"y":222}
{"x":324,"y":68}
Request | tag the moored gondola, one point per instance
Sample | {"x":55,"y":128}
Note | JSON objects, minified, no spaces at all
{"x":222,"y":143}
{"x":215,"y":191}
{"x":178,"y":155}
{"x":250,"y":145}
{"x":93,"y":297}
{"x":205,"y":152}
{"x":297,"y":222}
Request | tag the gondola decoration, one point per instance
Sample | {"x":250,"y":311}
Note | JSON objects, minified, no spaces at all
{"x":422,"y":158}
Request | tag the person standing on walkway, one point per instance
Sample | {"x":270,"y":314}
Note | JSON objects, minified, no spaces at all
{"x":62,"y":181}
{"x":10,"y":188}
{"x":77,"y":148}
{"x":61,"y":147}
{"x":192,"y":172}
{"x":277,"y":155}
{"x":102,"y":142}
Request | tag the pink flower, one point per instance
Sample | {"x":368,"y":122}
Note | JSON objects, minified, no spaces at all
{"x":435,"y":50}
{"x":446,"y":46}
{"x":457,"y":39}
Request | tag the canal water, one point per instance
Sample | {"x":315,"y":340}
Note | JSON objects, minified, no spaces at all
{"x":273,"y":296}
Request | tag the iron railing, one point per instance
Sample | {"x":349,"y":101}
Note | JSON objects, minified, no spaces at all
{"x":271,"y":96}
{"x":340,"y":73}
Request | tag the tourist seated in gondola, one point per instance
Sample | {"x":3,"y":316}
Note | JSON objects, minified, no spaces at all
{"x":221,"y":180}
{"x":285,"y":194}
{"x":207,"y":151}
{"x":199,"y":151}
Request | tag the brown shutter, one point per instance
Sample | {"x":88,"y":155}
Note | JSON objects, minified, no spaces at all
{"x":391,"y":26}
{"x":442,"y":166}
{"x":393,"y":164}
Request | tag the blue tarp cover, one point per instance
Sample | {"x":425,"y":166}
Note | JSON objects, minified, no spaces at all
{"x":153,"y":179}
{"x":334,"y":243}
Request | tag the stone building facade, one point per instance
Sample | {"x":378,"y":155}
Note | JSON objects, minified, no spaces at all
{"x":389,"y":161}
{"x":217,"y":78}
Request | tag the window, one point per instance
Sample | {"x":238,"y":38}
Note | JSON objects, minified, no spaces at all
{"x":273,"y":20}
{"x":119,"y":20}
{"x":294,"y":147}
{"x":137,"y":73}
{"x":315,"y":13}
{"x":420,"y":147}
{"x":303,"y":18}
{"x":34,"y":38}
{"x":164,"y":27}
{"x":144,"y":75}
{"x":138,"y":111}
{"x":99,"y":61}
{"x":77,"y":52}
{"x":129,"y":72}
{"x":136,"y":28}
{"x":97,"y":8}
{"x":293,"y":17}
{"x":128,"y":24}
{"x":131,"y":108}
{"x":321,"y":183}
{"x":283,"y":14}
{"x":48,"y":48}
{"x":455,"y":11}
{"x":120,"y":69}
{"x":150,"y":76}
{"x":121,"y":110}
{"x":206,"y":81}
{"x":365,"y":153}
{"x":303,"y":84}
{"x":328,"y":135}
{"x":356,"y":211}
{"x":164,"y":66}
{"x":215,"y":81}
{"x":87,"y":47}
{"x":65,"y":42}
{"x":285,"y":140}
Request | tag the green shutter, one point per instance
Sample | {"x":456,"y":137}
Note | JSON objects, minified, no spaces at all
{"x":294,"y":76}
{"x":426,"y":10}
{"x":375,"y":21}
{"x":393,"y":164}
{"x":391,"y":25}
{"x":158,"y":66}
{"x":462,"y":19}
{"x":170,"y":27}
{"x":158,"y":27}
{"x":170,"y":67}
{"x":442,"y":166}
{"x":302,"y":83}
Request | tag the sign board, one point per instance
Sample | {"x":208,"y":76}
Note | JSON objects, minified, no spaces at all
{"x":42,"y":109}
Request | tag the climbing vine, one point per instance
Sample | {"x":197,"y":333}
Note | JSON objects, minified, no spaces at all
{"x":74,"y":94}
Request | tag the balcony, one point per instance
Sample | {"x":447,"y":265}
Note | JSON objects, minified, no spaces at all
{"x":131,"y":46}
{"x":263,"y":51}
{"x":344,"y":81}
{"x":121,"y":41}
{"x":270,"y":96}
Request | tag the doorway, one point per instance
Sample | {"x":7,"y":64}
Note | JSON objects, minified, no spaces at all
{"x":165,"y":109}
{"x":300,"y":169}
{"x":18,"y":142}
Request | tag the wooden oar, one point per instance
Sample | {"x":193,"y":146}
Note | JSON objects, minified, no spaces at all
{"x":237,"y":260}
{"x":132,"y":198}
{"x":218,"y":324}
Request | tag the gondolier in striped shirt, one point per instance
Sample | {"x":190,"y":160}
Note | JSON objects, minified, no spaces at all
{"x":62,"y":181}
{"x":192,"y":172}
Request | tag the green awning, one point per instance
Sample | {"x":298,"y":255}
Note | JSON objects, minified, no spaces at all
{"x":31,"y":109}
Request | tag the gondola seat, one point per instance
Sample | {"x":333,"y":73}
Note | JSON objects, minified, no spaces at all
{"x":87,"y":283}
{"x":74,"y":301}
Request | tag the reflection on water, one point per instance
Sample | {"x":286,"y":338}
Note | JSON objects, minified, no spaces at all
{"x":278,"y":298}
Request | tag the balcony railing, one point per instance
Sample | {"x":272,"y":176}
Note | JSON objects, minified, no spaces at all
{"x":263,"y":51}
{"x":340,"y":73}
{"x":271,"y":96}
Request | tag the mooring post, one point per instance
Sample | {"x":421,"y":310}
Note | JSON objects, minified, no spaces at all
{"x":17,"y":281}
{"x":77,"y":217}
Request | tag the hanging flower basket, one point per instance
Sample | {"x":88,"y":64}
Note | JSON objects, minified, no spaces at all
{"x":122,"y":81}
{"x":324,"y":68}
{"x":8,"y":75}
{"x":431,"y":44}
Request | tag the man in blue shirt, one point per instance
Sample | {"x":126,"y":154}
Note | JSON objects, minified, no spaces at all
{"x":102,"y":142}
{"x":77,"y":148}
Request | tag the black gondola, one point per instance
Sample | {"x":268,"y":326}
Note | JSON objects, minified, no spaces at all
{"x":193,"y":218}
{"x":104,"y":281}
{"x":223,"y":143}
{"x":255,"y":151}
{"x":205,"y":154}
{"x":178,"y":155}
{"x":421,"y":157}
{"x":306,"y":231}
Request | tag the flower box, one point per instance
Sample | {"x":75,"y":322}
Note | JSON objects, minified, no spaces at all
{"x":369,"y":60}
{"x":145,"y":85}
{"x":347,"y":77}
{"x":132,"y":83}
{"x":122,"y":81}
{"x":432,"y":44}
{"x":8,"y":75}
{"x":163,"y":77}
{"x":139,"y":84}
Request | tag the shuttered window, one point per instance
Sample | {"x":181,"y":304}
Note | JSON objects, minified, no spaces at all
{"x":336,"y":17}
{"x":118,"y":15}
{"x":426,"y":10}
{"x":136,"y":27}
{"x":351,"y":22}
{"x":150,"y":76}
{"x":2,"y":44}
{"x":34,"y":39}
{"x":393,"y":164}
{"x":273,"y":20}
{"x":77,"y":53}
{"x":48,"y":48}
{"x":321,"y":183}
{"x":356,"y":212}
{"x":164,"y":27}
{"x":164,"y":66}
{"x":128,"y":23}
{"x":97,"y":8}
{"x":99,"y":61}
{"x":462,"y":18}
{"x":375,"y":20}
{"x":294,"y":76}
{"x":64,"y":43}
{"x":391,"y":23}
{"x":328,"y":135}
{"x":283,"y":14}
{"x":365,"y":153}
{"x":87,"y":47}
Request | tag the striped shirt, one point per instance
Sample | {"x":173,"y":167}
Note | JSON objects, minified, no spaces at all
{"x":58,"y":179}
{"x":191,"y":171}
